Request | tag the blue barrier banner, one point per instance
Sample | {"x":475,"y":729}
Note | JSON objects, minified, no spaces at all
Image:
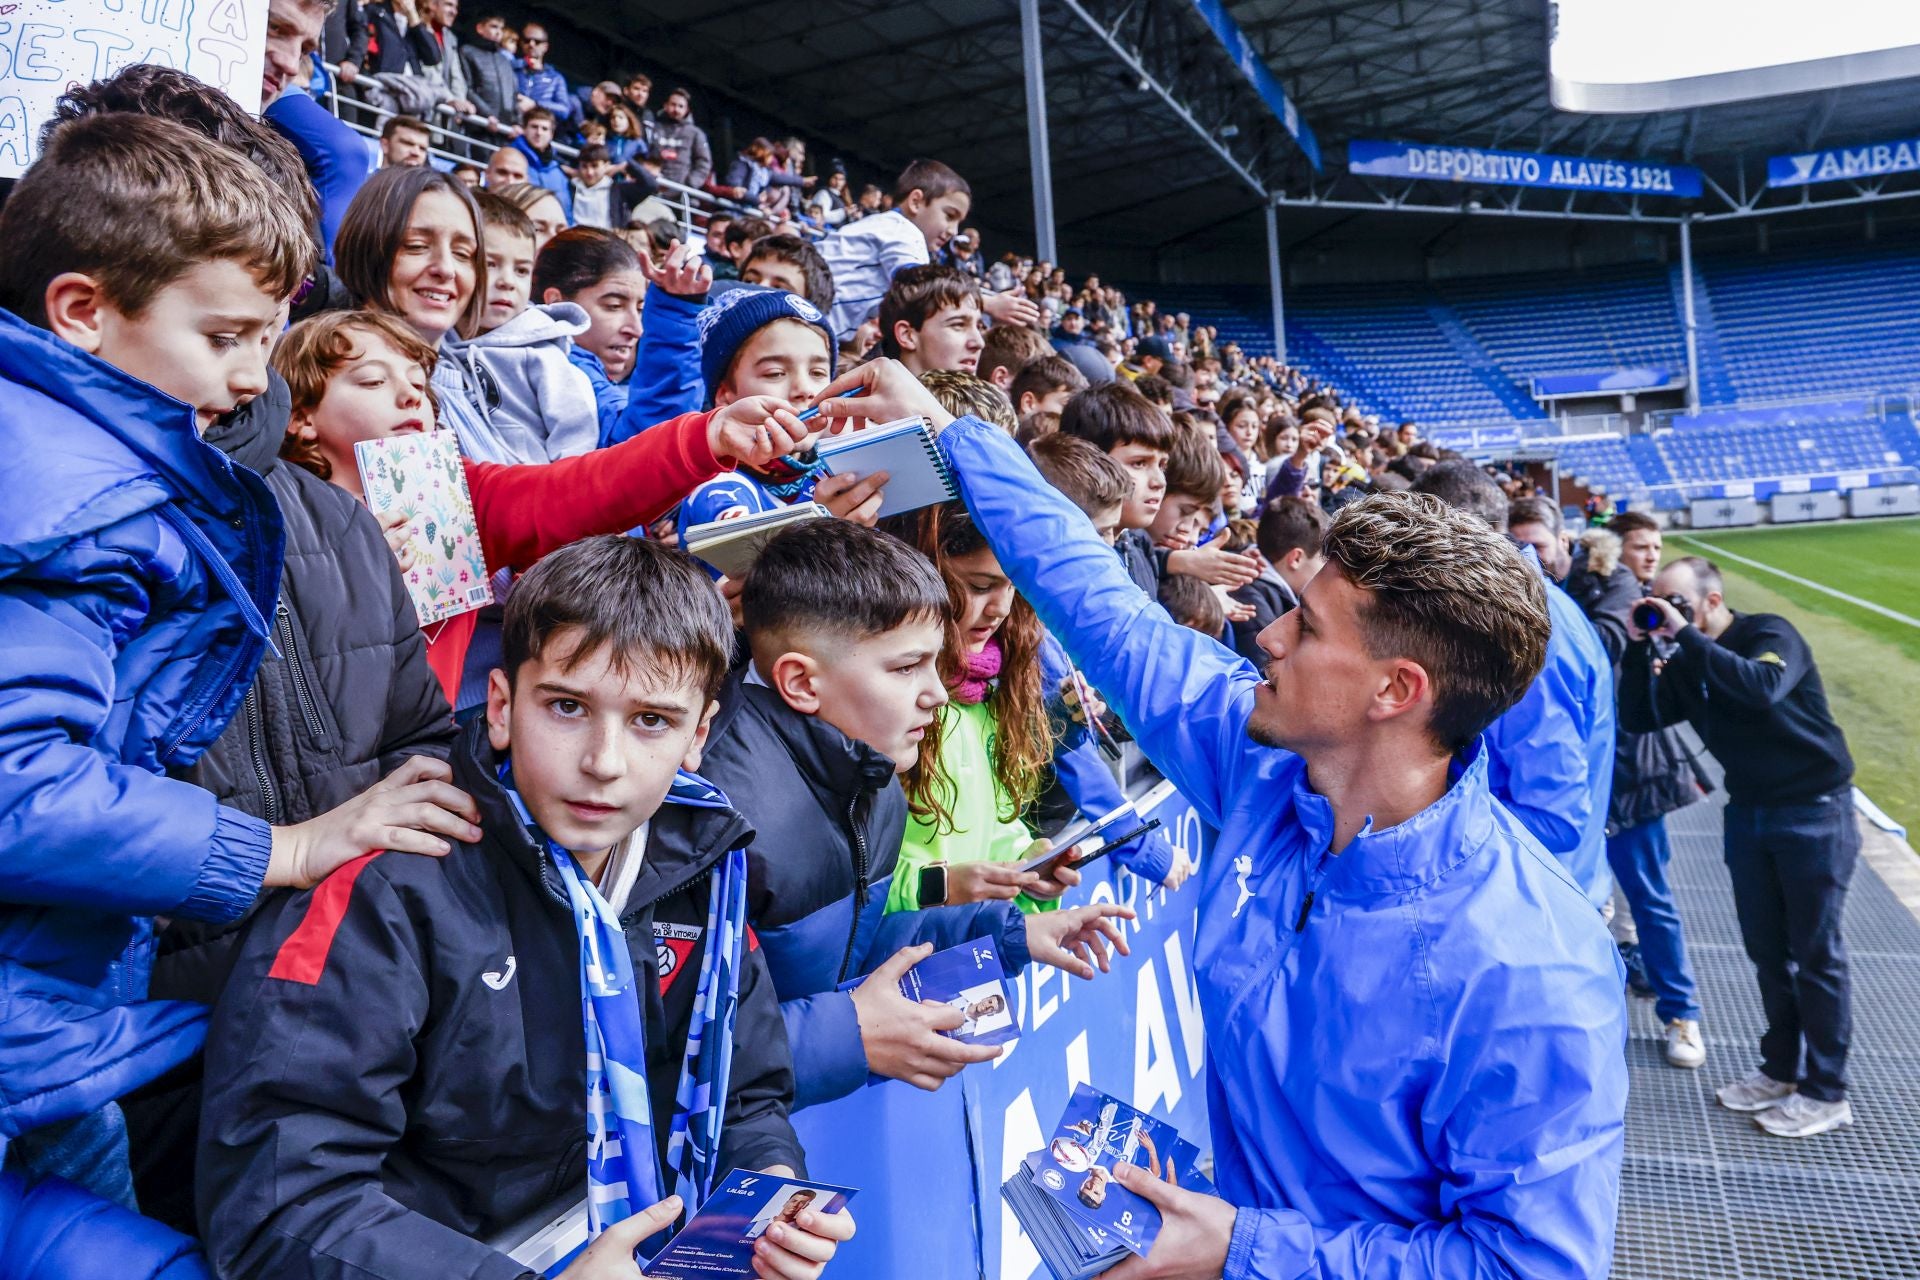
{"x":1254,"y":68}
{"x":1520,"y":169}
{"x":929,"y":1165}
{"x":1836,"y":164}
{"x":1610,"y":380}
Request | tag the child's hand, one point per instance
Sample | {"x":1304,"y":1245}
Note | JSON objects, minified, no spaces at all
{"x":755,"y":431}
{"x":851,"y":497}
{"x":730,"y":590}
{"x":1076,"y":940}
{"x":1053,"y":878}
{"x":684,"y":273}
{"x":891,"y":392}
{"x":1011,"y":308}
{"x":1237,"y":611}
{"x":611,"y":1256}
{"x":408,"y":811}
{"x":1215,"y":567}
{"x":397,"y":528}
{"x":802,"y":1250}
{"x":986,"y":882}
{"x":1094,"y":708}
{"x":902,"y":1039}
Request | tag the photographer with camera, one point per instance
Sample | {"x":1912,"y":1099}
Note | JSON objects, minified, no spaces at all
{"x":1749,"y":686}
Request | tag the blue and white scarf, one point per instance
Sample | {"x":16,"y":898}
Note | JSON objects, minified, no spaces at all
{"x":622,"y":1175}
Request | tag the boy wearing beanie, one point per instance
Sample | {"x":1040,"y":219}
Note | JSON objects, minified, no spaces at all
{"x":765,"y":342}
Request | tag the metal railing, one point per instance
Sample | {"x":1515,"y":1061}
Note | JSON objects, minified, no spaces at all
{"x":455,"y":139}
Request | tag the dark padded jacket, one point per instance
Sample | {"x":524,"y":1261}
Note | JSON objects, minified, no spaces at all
{"x":831,"y":816}
{"x":1653,"y":773}
{"x":350,"y":695}
{"x":398,"y":1067}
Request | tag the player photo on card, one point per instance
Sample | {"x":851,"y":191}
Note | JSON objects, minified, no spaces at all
{"x":986,"y":1010}
{"x":1096,"y":1133}
{"x":788,"y":1203}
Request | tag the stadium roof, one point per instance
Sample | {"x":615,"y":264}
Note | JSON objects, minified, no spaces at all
{"x":882,"y":81}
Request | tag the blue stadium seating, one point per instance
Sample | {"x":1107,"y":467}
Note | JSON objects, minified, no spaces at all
{"x":1835,"y":324}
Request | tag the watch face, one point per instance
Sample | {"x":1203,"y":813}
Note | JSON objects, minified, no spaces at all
{"x":933,"y":886}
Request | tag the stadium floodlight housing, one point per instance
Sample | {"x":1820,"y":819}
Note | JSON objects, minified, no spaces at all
{"x":1608,"y":56}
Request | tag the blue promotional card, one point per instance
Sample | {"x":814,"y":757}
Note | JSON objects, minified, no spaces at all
{"x":718,"y":1240}
{"x":1096,"y":1133}
{"x":972,"y":979}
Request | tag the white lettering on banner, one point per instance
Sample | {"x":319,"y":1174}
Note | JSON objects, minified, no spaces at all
{"x":1019,"y":1135}
{"x":1155,"y":1077}
{"x":1038,"y":976}
{"x":1186,"y":1005}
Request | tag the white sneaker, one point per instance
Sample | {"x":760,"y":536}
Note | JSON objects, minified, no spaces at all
{"x":1684,"y":1046}
{"x":1802,"y":1117}
{"x":1756,"y":1093}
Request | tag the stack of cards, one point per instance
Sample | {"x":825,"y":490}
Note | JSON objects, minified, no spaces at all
{"x":971,"y":978}
{"x":719,"y":1240}
{"x":1080,"y":1219}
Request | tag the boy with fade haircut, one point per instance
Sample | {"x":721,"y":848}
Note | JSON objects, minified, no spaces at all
{"x":1114,"y":419}
{"x":1010,"y":348}
{"x":792,"y":264}
{"x":964,"y":395}
{"x":145,"y":275}
{"x":517,"y":368}
{"x":844,"y":627}
{"x":1099,"y":486}
{"x":555,"y":1000}
{"x":930,"y":319}
{"x":1045,"y":385}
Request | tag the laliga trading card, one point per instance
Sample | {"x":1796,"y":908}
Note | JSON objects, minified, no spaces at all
{"x":719,"y":1239}
{"x":1096,"y":1133}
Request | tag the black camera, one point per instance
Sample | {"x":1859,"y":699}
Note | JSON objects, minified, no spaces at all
{"x":1647,"y":617}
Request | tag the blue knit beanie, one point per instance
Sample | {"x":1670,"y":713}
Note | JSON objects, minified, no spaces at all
{"x":738,"y":314}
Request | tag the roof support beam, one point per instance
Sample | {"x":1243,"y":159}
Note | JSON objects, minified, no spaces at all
{"x":1179,"y":108}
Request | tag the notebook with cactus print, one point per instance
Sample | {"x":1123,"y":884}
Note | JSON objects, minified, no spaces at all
{"x":422,"y":476}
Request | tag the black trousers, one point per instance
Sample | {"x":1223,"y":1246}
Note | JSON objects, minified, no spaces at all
{"x":1791,"y":865}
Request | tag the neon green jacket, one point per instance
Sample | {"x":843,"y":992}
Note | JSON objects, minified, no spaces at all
{"x":980,"y":833}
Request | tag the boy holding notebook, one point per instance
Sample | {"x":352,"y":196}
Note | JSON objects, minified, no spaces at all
{"x":422,"y":1051}
{"x":766,"y":342}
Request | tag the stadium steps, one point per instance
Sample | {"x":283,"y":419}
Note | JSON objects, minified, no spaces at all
{"x":1481,"y":361}
{"x":1716,"y":387}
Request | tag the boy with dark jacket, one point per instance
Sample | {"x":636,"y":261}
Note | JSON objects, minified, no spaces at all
{"x":844,"y":627}
{"x":592,"y":938}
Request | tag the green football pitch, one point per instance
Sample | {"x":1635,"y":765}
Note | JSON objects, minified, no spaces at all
{"x":1864,"y":627}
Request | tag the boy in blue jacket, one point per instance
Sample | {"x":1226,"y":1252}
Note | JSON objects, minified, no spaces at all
{"x":844,"y":628}
{"x":1415,"y":1021}
{"x":144,"y":275}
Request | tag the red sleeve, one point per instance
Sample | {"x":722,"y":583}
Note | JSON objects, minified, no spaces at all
{"x":525,"y":512}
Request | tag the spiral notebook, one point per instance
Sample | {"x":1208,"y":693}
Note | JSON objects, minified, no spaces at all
{"x":423,"y":476}
{"x":905,"y":450}
{"x":731,"y":546}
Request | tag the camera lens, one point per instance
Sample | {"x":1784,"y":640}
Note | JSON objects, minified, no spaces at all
{"x":1647,"y":617}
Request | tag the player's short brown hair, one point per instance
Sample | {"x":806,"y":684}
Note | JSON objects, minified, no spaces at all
{"x":1446,"y":591}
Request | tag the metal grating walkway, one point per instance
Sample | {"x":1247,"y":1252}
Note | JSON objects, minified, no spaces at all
{"x":1709,"y":1194}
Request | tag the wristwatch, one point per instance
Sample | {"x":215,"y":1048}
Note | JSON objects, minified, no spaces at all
{"x":933,"y":885}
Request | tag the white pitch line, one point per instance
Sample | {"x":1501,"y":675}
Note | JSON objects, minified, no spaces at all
{"x":1856,"y":601}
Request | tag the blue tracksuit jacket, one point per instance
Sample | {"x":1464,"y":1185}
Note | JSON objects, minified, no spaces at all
{"x":1415,"y":1062}
{"x":1550,"y":757}
{"x":138,"y":566}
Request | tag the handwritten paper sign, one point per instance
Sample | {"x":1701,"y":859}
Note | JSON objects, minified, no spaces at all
{"x":47,"y":45}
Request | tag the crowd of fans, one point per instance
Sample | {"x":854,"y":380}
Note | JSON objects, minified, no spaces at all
{"x":240,"y":775}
